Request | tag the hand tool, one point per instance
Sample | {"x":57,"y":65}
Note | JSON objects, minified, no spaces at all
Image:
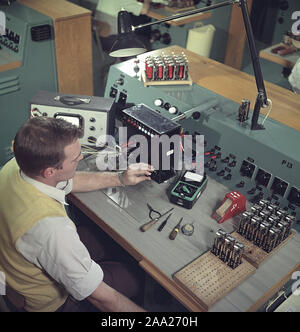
{"x":175,"y":230}
{"x":163,"y":224}
{"x":153,"y":220}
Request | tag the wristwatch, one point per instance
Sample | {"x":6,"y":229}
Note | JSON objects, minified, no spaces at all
{"x":120,"y":175}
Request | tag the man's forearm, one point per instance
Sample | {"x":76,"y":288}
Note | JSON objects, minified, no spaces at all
{"x":119,"y":304}
{"x":90,"y":181}
{"x":108,"y":299}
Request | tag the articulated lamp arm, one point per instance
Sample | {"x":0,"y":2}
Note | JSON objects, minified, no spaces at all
{"x":126,"y":30}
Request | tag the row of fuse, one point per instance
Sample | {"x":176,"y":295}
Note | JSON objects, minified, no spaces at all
{"x":166,"y":67}
{"x":265,"y":225}
{"x":228,"y":249}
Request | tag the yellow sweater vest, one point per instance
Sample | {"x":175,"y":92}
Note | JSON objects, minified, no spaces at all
{"x":21,"y":207}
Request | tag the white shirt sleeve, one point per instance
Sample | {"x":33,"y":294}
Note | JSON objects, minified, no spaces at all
{"x":54,"y":245}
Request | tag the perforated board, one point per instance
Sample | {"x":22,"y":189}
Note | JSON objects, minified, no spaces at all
{"x":208,"y":279}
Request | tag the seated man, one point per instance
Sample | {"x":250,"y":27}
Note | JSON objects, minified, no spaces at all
{"x":41,"y":254}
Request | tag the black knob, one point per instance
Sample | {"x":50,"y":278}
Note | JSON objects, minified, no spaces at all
{"x":241,"y":184}
{"x":155,"y":35}
{"x":196,"y":115}
{"x":225,"y":160}
{"x":166,"y":39}
{"x":252,"y":191}
{"x":221,"y":173}
{"x":228,"y":177}
{"x":167,"y":106}
{"x":207,"y":164}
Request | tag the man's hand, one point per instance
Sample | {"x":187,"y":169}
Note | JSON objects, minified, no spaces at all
{"x":137,"y":173}
{"x":90,"y":181}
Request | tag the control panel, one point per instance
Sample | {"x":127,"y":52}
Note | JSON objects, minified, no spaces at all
{"x":260,"y":164}
{"x":28,"y":64}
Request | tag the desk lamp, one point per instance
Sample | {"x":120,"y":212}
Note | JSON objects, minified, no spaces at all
{"x":127,"y":44}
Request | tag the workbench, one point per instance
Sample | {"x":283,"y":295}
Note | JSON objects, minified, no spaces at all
{"x":121,"y":211}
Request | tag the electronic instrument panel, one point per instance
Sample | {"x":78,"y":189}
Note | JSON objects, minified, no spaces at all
{"x":27,"y":64}
{"x":260,"y":164}
{"x":95,"y":116}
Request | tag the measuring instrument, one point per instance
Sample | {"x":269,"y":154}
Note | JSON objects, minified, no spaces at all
{"x":188,"y":189}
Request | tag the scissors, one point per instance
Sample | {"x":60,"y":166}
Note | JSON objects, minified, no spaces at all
{"x":154,"y":216}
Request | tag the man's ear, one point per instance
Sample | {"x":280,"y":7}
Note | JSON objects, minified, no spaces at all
{"x":48,"y":172}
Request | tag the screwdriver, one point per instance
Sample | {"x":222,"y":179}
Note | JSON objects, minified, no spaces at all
{"x":163,"y":224}
{"x":146,"y":226}
{"x":175,"y":230}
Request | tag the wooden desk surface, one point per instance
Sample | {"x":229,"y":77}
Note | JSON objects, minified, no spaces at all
{"x":236,"y":85}
{"x":285,"y":61}
{"x":59,"y":9}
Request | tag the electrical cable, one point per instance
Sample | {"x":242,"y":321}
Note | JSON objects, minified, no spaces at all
{"x":269,"y":111}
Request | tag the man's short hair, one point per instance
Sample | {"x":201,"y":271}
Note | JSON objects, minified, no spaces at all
{"x":40,"y":143}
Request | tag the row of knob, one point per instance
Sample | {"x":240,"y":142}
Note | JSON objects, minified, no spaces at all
{"x":167,"y":106}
